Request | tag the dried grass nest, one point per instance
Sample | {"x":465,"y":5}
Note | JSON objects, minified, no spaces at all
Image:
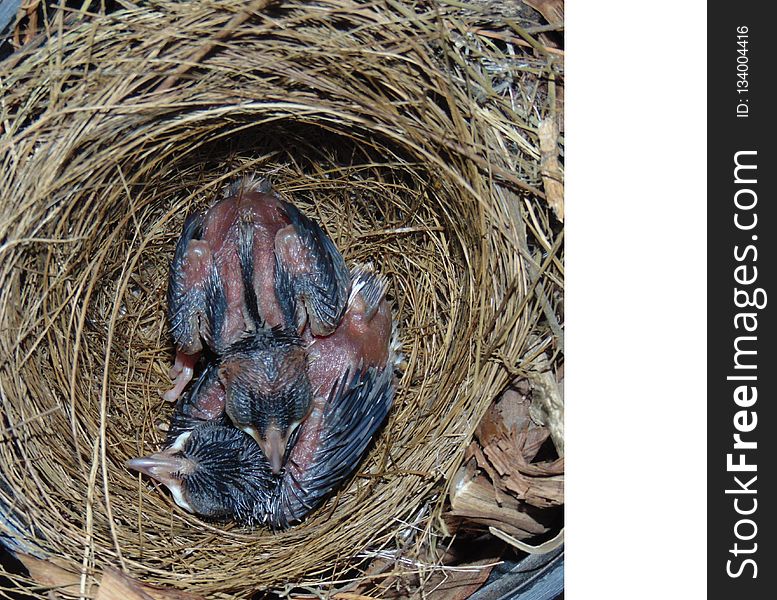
{"x":116,"y":127}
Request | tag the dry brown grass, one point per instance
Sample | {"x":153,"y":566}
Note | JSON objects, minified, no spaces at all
{"x":368,"y":117}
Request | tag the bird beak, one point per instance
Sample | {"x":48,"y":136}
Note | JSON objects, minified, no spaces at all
{"x":167,"y":470}
{"x":273,"y":445}
{"x":162,"y":466}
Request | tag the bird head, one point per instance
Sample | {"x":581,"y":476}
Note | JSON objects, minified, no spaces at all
{"x":268,"y":391}
{"x":213,"y":471}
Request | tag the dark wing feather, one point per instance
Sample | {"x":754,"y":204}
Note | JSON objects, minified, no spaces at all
{"x":326,"y":290}
{"x":353,"y":413}
{"x":245,"y":249}
{"x":216,"y":311}
{"x":284,"y":292}
{"x":185,"y":304}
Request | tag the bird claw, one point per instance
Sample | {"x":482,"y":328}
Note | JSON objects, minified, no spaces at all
{"x":181,"y":372}
{"x":175,"y":371}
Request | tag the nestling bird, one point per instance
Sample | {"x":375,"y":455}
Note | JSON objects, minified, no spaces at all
{"x":351,"y":374}
{"x":268,"y":391}
{"x":205,"y":462}
{"x":235,"y":257}
{"x":217,"y":471}
{"x":247,"y":277}
{"x":212,"y":470}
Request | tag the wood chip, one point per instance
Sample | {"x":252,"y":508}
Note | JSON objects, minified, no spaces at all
{"x":550,"y":169}
{"x":114,"y":585}
{"x":552,"y":10}
{"x":472,"y":496}
{"x":50,"y":575}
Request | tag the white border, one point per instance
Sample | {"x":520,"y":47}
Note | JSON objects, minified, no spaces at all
{"x":636,"y":77}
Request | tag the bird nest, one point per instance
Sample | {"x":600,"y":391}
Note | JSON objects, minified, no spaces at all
{"x":115,"y":128}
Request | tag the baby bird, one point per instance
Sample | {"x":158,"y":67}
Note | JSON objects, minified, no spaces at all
{"x":352,"y":376}
{"x":351,"y":380}
{"x":212,"y":470}
{"x":234,"y":267}
{"x":268,"y":391}
{"x":217,"y":471}
{"x":247,"y":277}
{"x":209,"y":466}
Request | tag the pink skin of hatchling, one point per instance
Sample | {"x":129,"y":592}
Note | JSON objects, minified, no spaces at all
{"x":362,"y":340}
{"x":269,"y":226}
